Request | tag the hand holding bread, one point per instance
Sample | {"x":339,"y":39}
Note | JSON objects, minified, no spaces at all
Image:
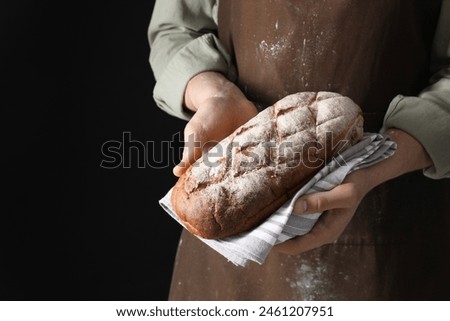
{"x":264,"y":162}
{"x":219,"y":106}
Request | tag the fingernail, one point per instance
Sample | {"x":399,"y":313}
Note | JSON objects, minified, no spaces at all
{"x":302,"y":206}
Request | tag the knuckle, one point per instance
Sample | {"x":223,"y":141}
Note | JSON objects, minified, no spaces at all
{"x":320,"y":203}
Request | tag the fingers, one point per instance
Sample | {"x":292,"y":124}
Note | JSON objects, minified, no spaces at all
{"x":338,"y":207}
{"x":298,"y":245}
{"x":194,"y":139}
{"x":327,"y":230}
{"x":342,"y":196}
{"x":201,"y":133}
{"x":181,"y":168}
{"x":190,"y":155}
{"x":209,"y":125}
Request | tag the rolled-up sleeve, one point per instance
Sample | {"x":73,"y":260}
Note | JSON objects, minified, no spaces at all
{"x":183,"y":42}
{"x":427,"y":116}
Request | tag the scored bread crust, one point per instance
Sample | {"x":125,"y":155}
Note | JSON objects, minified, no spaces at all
{"x":251,"y":173}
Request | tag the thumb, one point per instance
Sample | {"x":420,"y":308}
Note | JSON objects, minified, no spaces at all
{"x":191,"y":152}
{"x":342,"y":196}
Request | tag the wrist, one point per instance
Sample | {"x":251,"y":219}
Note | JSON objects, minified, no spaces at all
{"x":410,"y":151}
{"x":409,"y":156}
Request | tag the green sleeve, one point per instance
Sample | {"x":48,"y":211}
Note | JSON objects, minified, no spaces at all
{"x":183,"y":42}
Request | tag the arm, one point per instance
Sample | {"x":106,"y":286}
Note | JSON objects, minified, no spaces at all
{"x":340,"y":203}
{"x":220,"y":107}
{"x":194,"y":75}
{"x":427,"y":117}
{"x":421,"y":128}
{"x":183,"y":44}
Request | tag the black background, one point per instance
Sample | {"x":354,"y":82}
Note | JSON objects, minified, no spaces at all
{"x":73,"y":76}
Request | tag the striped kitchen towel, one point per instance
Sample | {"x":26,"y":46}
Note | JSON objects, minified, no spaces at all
{"x":256,"y":244}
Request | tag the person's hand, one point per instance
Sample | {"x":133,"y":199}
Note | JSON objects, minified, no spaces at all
{"x":340,"y":204}
{"x":338,"y":207}
{"x":220,"y":107}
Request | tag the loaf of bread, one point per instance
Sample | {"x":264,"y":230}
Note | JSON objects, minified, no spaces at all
{"x":251,"y":173}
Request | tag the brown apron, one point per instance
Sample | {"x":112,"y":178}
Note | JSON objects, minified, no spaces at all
{"x":398,"y":244}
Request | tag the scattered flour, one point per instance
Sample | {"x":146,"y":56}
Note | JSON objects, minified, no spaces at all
{"x":272,"y":50}
{"x":310,"y":281}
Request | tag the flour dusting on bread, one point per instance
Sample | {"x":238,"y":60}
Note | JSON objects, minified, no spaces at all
{"x":252,"y":172}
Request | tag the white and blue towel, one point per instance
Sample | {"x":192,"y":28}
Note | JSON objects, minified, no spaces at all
{"x":256,"y":244}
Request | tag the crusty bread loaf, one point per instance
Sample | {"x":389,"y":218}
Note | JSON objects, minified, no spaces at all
{"x":252,"y":172}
